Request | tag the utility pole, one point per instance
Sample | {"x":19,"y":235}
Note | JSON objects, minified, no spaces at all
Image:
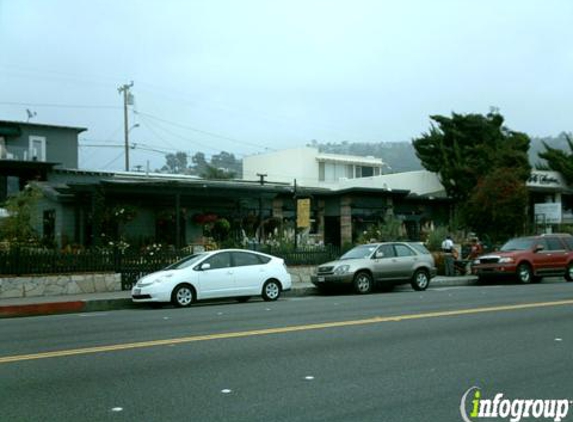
{"x":295,"y":217}
{"x":127,"y":100}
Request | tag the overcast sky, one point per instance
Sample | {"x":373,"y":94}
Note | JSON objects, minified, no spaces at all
{"x":247,"y":76}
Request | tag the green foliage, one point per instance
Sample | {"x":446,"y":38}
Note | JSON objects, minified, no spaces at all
{"x":16,"y":229}
{"x":497,"y":205}
{"x":389,"y":230}
{"x":559,"y":160}
{"x":214,"y":173}
{"x":464,"y":148}
{"x":436,"y":237}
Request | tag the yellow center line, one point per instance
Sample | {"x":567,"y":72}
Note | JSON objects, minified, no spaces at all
{"x":280,"y":330}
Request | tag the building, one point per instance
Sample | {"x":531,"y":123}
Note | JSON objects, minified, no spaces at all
{"x":309,"y":166}
{"x":28,"y":151}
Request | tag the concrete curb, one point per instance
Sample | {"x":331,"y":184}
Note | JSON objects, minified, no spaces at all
{"x":96,"y":305}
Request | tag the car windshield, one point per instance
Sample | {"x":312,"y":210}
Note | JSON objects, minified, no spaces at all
{"x":519,"y":244}
{"x":359,"y":252}
{"x":186,"y":262}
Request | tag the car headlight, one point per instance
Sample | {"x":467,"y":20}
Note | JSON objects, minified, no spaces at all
{"x":506,"y":260}
{"x":343,"y":269}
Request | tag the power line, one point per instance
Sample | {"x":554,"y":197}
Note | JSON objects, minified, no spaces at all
{"x":204,"y":131}
{"x":26,"y":104}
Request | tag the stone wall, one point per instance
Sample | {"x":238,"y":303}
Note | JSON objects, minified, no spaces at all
{"x":301,"y":274}
{"x":57,"y":285}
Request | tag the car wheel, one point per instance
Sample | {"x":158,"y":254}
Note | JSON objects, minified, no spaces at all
{"x":271,"y":290}
{"x":420,"y":280}
{"x":524,"y":273}
{"x":243,"y":299}
{"x":362,"y":283}
{"x":569,"y":272}
{"x":183,"y":296}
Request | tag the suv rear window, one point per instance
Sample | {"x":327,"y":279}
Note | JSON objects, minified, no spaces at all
{"x":420,"y":248}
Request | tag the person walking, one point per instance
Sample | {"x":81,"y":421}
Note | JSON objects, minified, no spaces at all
{"x":448,"y":248}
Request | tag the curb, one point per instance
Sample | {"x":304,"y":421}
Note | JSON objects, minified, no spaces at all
{"x":98,"y":305}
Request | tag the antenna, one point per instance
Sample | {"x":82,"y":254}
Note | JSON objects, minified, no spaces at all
{"x":30,"y":114}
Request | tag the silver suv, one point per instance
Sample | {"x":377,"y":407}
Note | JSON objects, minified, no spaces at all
{"x":386,"y":264}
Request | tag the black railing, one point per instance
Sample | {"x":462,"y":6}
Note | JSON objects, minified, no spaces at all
{"x":131,"y":265}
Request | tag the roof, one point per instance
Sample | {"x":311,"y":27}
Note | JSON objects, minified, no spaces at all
{"x":15,"y":122}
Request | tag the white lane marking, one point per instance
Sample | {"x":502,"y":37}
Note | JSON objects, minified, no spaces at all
{"x":558,"y":339}
{"x":309,"y":378}
{"x":226,"y":391}
{"x":117,"y":409}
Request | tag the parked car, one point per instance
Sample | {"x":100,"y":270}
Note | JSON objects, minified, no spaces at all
{"x":528,"y":259}
{"x":216,"y":274}
{"x":386,"y":264}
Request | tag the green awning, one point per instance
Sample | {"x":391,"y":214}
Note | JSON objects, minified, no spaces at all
{"x":10,"y":131}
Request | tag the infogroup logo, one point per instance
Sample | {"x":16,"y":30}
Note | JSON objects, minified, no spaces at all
{"x":513,"y":409}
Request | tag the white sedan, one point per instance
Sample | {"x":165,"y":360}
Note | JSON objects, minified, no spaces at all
{"x":216,"y":274}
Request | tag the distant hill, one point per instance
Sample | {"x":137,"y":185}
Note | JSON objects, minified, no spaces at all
{"x":401,"y":156}
{"x":559,"y":142}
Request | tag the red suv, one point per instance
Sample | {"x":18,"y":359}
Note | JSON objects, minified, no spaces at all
{"x":529,"y":259}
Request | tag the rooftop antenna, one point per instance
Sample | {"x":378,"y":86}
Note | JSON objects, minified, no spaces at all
{"x":30,"y":114}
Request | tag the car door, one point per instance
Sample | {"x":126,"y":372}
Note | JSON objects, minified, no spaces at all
{"x":250,"y":272}
{"x":384,"y":263}
{"x":555,"y":255}
{"x":216,"y":279}
{"x":405,"y":261}
{"x":542,"y":258}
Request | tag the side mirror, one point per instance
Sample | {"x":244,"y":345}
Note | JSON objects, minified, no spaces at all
{"x":538,"y":248}
{"x":379,"y":254}
{"x":205,"y":266}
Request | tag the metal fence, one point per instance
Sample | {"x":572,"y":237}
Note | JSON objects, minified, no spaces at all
{"x":131,"y":265}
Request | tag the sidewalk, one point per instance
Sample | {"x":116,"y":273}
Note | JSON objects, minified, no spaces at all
{"x":90,"y":302}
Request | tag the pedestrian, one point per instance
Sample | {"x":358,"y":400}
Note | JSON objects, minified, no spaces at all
{"x":476,"y":249}
{"x":448,"y":249}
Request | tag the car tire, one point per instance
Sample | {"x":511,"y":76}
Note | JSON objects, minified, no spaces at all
{"x":569,"y":272}
{"x":183,"y":296}
{"x":420,"y":280}
{"x":271,"y":291}
{"x":524,"y":273}
{"x":243,"y":299}
{"x":362,"y":283}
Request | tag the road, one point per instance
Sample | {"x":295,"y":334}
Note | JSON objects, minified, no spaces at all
{"x":401,"y":356}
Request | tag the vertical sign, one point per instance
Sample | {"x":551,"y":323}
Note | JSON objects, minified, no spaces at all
{"x":303,"y":213}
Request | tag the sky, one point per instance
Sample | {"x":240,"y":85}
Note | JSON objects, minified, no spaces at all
{"x":252,"y":76}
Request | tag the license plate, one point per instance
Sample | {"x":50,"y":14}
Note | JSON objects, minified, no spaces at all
{"x":136,"y":292}
{"x":321,"y":279}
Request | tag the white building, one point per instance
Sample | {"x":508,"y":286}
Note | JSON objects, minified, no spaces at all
{"x":309,"y":167}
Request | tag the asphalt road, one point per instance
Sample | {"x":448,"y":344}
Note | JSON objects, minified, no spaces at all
{"x":401,"y":356}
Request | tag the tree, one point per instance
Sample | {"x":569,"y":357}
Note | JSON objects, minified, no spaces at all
{"x":217,"y":174}
{"x":226,"y":161}
{"x":175,"y":163}
{"x":17,"y":228}
{"x":559,"y":160}
{"x":496,"y":206}
{"x":199,"y":163}
{"x":464,"y":148}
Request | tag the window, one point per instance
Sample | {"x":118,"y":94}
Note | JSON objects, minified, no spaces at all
{"x":321,"y":172}
{"x":243,"y":259}
{"x":553,"y":244}
{"x":387,"y":251}
{"x":221,"y":260}
{"x":49,"y":224}
{"x":403,"y":250}
{"x":37,"y":148}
